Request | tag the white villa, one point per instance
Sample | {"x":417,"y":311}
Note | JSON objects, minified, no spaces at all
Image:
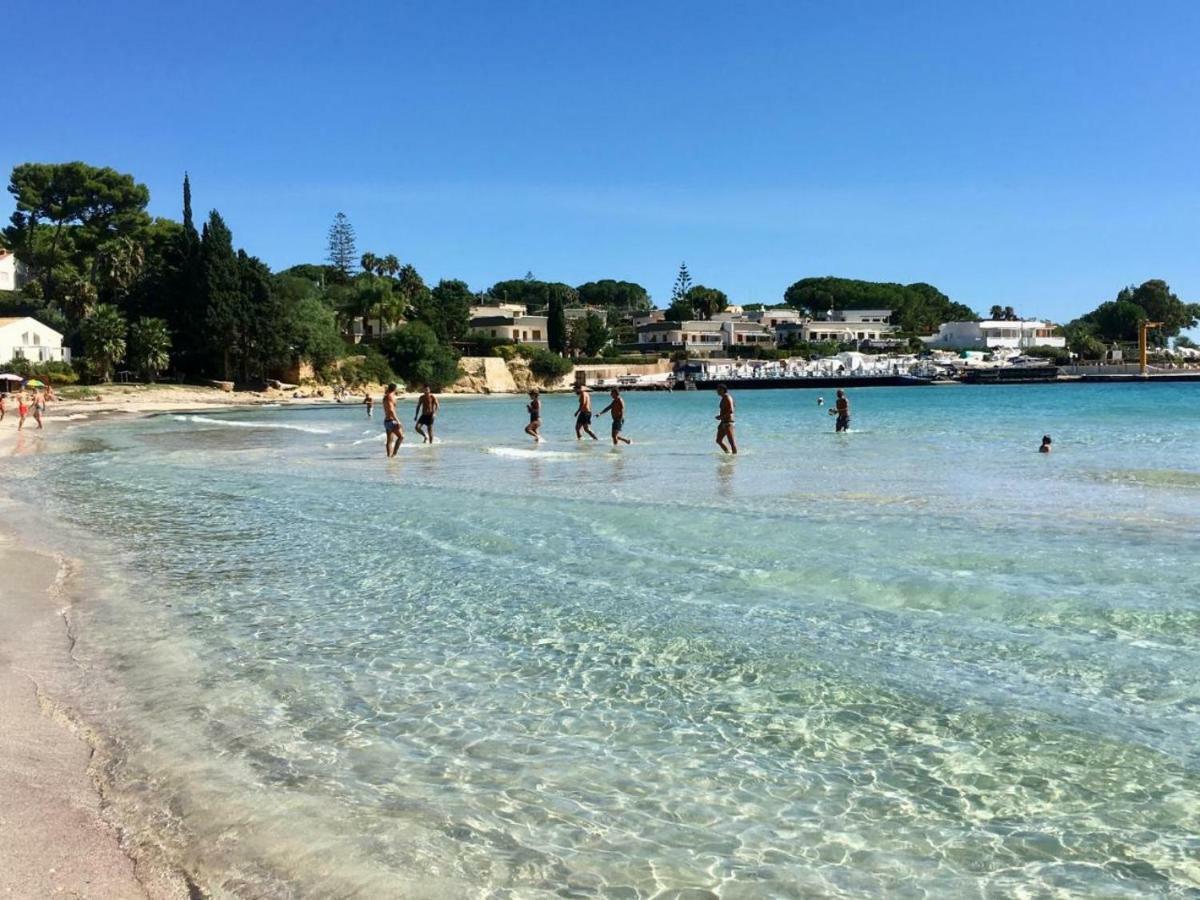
{"x":704,"y":336}
{"x":27,"y":338}
{"x":847,"y":326}
{"x":1017,"y":334}
{"x":522,"y":329}
{"x":12,"y":273}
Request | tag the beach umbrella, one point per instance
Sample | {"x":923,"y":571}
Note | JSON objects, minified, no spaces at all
{"x":34,"y":383}
{"x":9,"y":376}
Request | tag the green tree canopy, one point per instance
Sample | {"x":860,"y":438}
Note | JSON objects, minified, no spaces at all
{"x":534,"y":294}
{"x":104,"y":334}
{"x":419,"y":358}
{"x":1118,"y":320}
{"x":610,"y":294}
{"x":556,"y":325}
{"x":706,"y":301}
{"x":452,"y":299}
{"x":589,"y":334}
{"x":916,"y":308}
{"x":149,"y":346}
{"x":65,"y":212}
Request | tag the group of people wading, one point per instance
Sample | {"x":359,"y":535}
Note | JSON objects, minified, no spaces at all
{"x":427,"y":409}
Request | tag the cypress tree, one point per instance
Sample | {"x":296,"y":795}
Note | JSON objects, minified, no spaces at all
{"x":556,"y":324}
{"x":221,"y":287}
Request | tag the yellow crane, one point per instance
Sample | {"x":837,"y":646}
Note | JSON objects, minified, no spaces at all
{"x":1145,"y":327}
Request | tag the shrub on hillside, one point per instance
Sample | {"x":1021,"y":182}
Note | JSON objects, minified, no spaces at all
{"x":49,"y":372}
{"x":548,"y":366}
{"x":417,"y":357}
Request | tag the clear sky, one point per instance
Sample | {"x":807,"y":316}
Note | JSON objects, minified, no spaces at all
{"x":1032,"y":154}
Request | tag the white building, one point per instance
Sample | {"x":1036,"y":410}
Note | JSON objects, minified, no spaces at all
{"x":12,"y":273}
{"x":26,"y":338}
{"x":774,"y":318}
{"x":704,"y":336}
{"x":995,"y":334}
{"x":499,"y":309}
{"x":531,"y":330}
{"x":848,"y":326}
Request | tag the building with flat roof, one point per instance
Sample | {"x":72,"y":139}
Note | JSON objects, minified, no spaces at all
{"x":23,"y":337}
{"x":518,"y":329}
{"x":994,"y":334}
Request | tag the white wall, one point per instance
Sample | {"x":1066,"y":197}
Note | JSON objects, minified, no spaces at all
{"x":30,"y":339}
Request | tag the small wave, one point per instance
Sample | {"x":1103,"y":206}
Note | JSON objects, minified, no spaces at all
{"x":227,"y":423}
{"x":523,"y":453}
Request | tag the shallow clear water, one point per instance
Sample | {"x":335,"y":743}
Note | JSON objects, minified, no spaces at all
{"x":917,"y":659}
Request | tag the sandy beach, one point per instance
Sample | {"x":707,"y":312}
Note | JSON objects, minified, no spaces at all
{"x":55,"y":836}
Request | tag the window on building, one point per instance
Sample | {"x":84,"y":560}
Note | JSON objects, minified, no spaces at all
{"x":537,"y":334}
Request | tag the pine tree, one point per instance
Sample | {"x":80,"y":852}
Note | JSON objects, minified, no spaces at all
{"x":342,"y":252}
{"x":683,"y":283}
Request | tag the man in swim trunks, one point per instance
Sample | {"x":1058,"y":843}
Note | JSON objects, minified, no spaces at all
{"x":725,"y":421}
{"x":618,"y":416}
{"x":583,"y":415}
{"x":391,"y":422}
{"x":534,"y":407}
{"x":427,"y":407}
{"x":369,"y":403}
{"x":841,"y":409}
{"x":22,"y":410}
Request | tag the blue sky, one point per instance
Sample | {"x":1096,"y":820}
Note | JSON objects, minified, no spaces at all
{"x":1038,"y":155}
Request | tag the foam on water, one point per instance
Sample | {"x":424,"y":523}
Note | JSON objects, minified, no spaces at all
{"x":242,"y":423}
{"x":925,"y":661}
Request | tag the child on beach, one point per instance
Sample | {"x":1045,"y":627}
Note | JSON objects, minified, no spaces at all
{"x":534,"y":408}
{"x":22,"y":410}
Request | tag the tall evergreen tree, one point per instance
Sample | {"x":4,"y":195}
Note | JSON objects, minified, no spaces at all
{"x":221,"y":285}
{"x":683,"y":283}
{"x":556,"y":324}
{"x":343,"y":254}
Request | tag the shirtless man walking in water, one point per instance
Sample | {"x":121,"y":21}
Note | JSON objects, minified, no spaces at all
{"x":427,"y":408}
{"x":583,"y":415}
{"x":618,"y":416}
{"x":841,"y":409}
{"x":725,"y":420}
{"x":391,"y":422}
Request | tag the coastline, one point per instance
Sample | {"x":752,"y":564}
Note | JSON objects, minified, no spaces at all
{"x":58,"y":834}
{"x":55,"y":828}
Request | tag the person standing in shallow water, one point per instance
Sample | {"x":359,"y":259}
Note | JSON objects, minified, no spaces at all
{"x":841,"y":409}
{"x":618,"y":416}
{"x":583,"y":415}
{"x":427,"y":408}
{"x":725,"y":421}
{"x":369,"y":403}
{"x":1046,"y":444}
{"x":391,"y":422}
{"x":534,"y":408}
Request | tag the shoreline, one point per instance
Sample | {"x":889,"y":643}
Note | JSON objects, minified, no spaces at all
{"x":57,"y":829}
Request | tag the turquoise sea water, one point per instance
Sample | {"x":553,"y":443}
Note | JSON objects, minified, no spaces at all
{"x":920,"y":659}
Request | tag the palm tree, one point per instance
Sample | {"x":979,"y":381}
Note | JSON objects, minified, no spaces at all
{"x":149,"y":346}
{"x":390,"y":265}
{"x":1010,"y":314}
{"x":996,"y":313}
{"x":368,"y":262}
{"x":104,"y":339}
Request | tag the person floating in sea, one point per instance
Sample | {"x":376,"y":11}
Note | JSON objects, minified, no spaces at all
{"x":1046,"y":442}
{"x":618,"y":416}
{"x":583,"y":415}
{"x":534,"y":408}
{"x":427,"y":408}
{"x":391,"y":422}
{"x":841,"y":409}
{"x":820,"y":401}
{"x":369,"y":403}
{"x":725,"y":421}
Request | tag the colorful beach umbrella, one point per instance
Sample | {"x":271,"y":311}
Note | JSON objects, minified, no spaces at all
{"x":34,"y":383}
